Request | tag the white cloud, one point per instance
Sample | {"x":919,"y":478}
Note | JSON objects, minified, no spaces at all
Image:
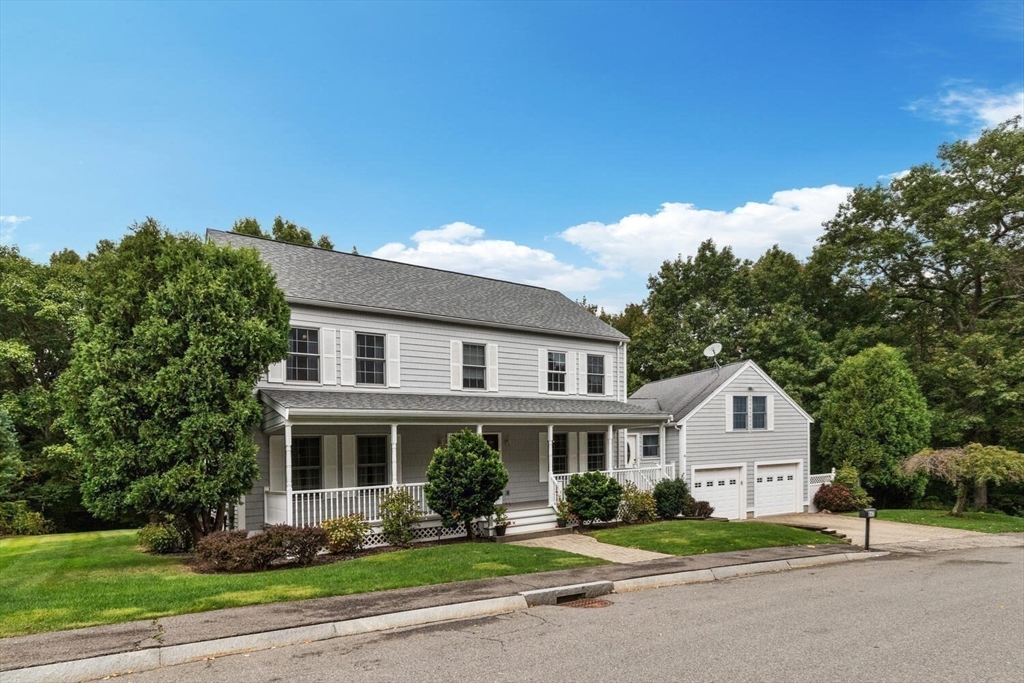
{"x":9,"y":225}
{"x":978,"y":107}
{"x":640,"y":242}
{"x":461,"y":247}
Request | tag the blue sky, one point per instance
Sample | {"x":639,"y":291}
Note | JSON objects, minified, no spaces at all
{"x":574,"y":146}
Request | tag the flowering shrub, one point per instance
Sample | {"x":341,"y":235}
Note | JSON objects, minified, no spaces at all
{"x":835,"y":498}
{"x":637,"y":507}
{"x":346,"y":534}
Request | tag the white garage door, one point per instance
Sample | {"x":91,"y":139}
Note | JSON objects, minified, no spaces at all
{"x":776,"y":489}
{"x":721,"y":488}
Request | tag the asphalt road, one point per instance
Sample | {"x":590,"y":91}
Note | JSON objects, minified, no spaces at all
{"x":951,"y":616}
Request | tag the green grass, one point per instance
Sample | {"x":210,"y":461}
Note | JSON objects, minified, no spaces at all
{"x":694,"y":538}
{"x":64,"y":581}
{"x":987,"y":522}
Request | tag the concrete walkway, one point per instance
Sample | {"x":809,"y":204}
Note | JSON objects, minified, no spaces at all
{"x":898,"y":536}
{"x":591,"y":547}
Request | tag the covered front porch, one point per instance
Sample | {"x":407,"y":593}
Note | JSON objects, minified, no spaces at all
{"x":331,"y":463}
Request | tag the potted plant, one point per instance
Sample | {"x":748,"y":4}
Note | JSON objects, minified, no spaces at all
{"x":563,"y":513}
{"x":500,"y":520}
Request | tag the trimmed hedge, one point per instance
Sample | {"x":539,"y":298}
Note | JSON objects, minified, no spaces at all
{"x":672,"y":496}
{"x":835,"y":498}
{"x":593,"y":496}
{"x":236,"y":551}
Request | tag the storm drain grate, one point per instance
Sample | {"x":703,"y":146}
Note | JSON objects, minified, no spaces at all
{"x":586,"y":602}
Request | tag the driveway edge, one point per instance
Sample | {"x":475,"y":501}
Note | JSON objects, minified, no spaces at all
{"x":77,"y":671}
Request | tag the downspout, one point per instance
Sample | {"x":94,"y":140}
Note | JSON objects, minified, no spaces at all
{"x":625,"y":372}
{"x":681,"y":429}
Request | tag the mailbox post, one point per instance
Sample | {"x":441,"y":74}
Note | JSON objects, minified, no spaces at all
{"x":867,"y":514}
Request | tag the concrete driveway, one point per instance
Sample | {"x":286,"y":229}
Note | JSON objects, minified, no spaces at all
{"x":899,"y":536}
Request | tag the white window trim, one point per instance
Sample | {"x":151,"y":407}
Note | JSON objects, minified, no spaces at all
{"x":585,"y":374}
{"x":320,"y":367}
{"x":565,"y":373}
{"x":355,"y":359}
{"x":462,"y":365}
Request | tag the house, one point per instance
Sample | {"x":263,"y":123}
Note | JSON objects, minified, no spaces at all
{"x":388,"y":359}
{"x":740,"y":441}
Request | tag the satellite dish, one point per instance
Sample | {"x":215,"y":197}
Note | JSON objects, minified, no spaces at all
{"x":713,"y":350}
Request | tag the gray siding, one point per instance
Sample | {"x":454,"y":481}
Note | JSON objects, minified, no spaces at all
{"x":707,"y":442}
{"x":426,"y":351}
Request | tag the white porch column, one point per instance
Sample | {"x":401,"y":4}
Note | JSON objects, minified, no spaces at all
{"x":661,"y":447}
{"x":625,"y":449}
{"x":290,"y":516}
{"x":609,"y":440}
{"x":551,"y":464}
{"x":480,"y":430}
{"x":394,"y":455}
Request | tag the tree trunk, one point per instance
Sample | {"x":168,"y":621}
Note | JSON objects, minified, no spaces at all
{"x":981,"y":495}
{"x":218,"y":523}
{"x":961,"y":502}
{"x":196,"y":527}
{"x":470,"y":530}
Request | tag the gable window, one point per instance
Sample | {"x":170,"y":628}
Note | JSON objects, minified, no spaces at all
{"x":474,"y":366}
{"x":560,"y":454}
{"x":303,"y":363}
{"x":759,"y":412}
{"x":556,"y":371}
{"x":307,"y":459}
{"x":371,"y":460}
{"x":595,"y":375}
{"x":739,"y":412}
{"x":595,"y":451}
{"x":650,"y":448}
{"x":369,"y":358}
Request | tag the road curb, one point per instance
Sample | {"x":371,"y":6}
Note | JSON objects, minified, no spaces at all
{"x":153,"y":658}
{"x":77,"y":671}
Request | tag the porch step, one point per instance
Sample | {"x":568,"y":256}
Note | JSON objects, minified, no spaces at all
{"x":526,"y":536}
{"x":531,"y":521}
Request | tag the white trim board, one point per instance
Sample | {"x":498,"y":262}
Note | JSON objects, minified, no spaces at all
{"x":748,"y":365}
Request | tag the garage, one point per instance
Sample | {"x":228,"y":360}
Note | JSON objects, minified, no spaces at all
{"x":776,"y":489}
{"x":722,"y":487}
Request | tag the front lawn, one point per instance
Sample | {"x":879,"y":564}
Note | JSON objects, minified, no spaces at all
{"x":64,"y":581}
{"x":694,"y":538}
{"x":987,"y":522}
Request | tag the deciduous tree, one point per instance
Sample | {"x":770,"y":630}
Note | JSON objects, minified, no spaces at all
{"x":159,"y":395}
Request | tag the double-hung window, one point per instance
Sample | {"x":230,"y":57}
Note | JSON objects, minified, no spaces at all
{"x":556,"y":371}
{"x":369,"y":358}
{"x":595,"y":451}
{"x":595,"y":375}
{"x":650,"y":446}
{"x":303,"y":363}
{"x":307,"y":459}
{"x":474,"y":366}
{"x":739,"y":412}
{"x":371,"y":460}
{"x":560,"y":454}
{"x":759,"y":412}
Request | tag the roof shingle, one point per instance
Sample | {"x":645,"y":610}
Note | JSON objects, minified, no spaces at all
{"x":680,"y":395}
{"x":340,"y":279}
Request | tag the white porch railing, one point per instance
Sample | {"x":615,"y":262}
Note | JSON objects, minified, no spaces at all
{"x":645,"y":478}
{"x":310,"y":508}
{"x":819,"y":479}
{"x":815,"y":482}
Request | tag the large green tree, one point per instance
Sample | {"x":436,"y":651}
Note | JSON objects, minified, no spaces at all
{"x":159,"y":395}
{"x":282,"y":231}
{"x":941,"y":249}
{"x":874,"y":417}
{"x":39,"y":307}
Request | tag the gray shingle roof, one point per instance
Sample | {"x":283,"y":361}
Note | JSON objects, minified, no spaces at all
{"x":337,"y":278}
{"x":680,"y":395}
{"x":377,"y":402}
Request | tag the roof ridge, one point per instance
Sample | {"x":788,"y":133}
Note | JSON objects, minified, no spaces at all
{"x":695,"y":372}
{"x":377,"y":258}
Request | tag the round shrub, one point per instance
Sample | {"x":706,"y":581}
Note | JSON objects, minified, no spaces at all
{"x":835,"y":498}
{"x":225,"y":551}
{"x":637,"y":507}
{"x":671,"y":496}
{"x":346,"y":534}
{"x":593,"y":496}
{"x":164,"y":537}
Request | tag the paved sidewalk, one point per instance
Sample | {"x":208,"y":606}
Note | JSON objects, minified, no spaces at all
{"x":63,"y":646}
{"x":591,"y":547}
{"x":901,"y":537}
